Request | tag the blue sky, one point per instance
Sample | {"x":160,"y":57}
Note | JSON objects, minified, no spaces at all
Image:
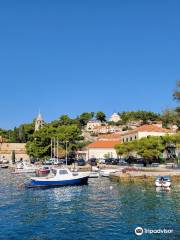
{"x":67,"y":57}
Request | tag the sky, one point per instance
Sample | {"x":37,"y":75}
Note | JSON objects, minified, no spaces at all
{"x":69,"y":57}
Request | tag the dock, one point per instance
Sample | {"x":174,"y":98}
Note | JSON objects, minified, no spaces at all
{"x":145,"y":175}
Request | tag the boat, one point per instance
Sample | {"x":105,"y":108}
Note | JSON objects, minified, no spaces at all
{"x":25,"y":168}
{"x":4,"y":166}
{"x":60,"y":177}
{"x":93,"y":174}
{"x":43,"y":171}
{"x":107,"y":172}
{"x":163,"y":182}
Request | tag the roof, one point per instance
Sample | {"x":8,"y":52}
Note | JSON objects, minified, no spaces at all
{"x":109,"y":136}
{"x":39,"y":117}
{"x":148,"y":128}
{"x":103,"y":144}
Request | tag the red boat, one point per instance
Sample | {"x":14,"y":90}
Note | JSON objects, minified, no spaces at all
{"x":43,"y":171}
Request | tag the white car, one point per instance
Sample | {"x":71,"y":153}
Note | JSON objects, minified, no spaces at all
{"x":102,"y":160}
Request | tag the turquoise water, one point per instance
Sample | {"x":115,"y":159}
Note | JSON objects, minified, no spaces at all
{"x":101,"y":210}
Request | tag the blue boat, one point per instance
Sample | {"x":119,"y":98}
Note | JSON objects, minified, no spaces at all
{"x":59,"y":177}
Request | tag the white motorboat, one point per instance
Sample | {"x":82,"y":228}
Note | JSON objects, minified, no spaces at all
{"x":61,"y":177}
{"x":25,"y":168}
{"x":93,"y":174}
{"x":163,"y":182}
{"x":107,"y":172}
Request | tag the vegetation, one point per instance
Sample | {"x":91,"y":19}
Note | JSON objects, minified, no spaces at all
{"x":176,"y":93}
{"x":150,"y":148}
{"x":13,"y":157}
{"x":143,"y":116}
{"x":101,"y":116}
{"x":40,"y":145}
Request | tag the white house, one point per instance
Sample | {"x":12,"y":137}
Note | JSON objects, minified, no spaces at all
{"x":92,"y":124}
{"x":144,"y":131}
{"x":100,"y":149}
{"x":114,"y":118}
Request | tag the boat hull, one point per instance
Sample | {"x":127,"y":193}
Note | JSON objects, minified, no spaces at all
{"x":165,"y":184}
{"x":56,"y":183}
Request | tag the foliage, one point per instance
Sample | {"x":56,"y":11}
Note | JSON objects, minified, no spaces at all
{"x":40,"y":145}
{"x":85,"y":117}
{"x":143,"y":116}
{"x":13,"y":157}
{"x":101,"y":116}
{"x":149,"y":148}
{"x":176,"y":93}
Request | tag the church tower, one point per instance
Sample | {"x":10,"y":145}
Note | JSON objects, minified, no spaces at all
{"x":39,"y":123}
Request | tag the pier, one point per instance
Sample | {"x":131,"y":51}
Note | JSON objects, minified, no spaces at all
{"x":144,"y":175}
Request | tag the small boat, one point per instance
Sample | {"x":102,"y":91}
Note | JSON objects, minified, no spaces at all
{"x":25,"y":168}
{"x":93,"y":174}
{"x":4,"y":166}
{"x":163,"y":182}
{"x":61,"y":177}
{"x":43,"y":171}
{"x":107,"y":172}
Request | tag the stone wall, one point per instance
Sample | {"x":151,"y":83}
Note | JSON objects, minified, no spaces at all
{"x":19,"y":148}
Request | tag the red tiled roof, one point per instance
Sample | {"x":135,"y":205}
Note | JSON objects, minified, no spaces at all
{"x":103,"y":144}
{"x":148,"y":128}
{"x":114,"y":136}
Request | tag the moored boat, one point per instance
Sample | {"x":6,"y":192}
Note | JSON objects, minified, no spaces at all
{"x":163,"y":182}
{"x":25,"y":168}
{"x":4,"y":166}
{"x":43,"y":171}
{"x":93,"y":174}
{"x":61,"y":177}
{"x":107,"y":172}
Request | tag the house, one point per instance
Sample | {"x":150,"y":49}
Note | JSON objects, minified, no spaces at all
{"x":144,"y":131}
{"x":105,"y":129}
{"x":92,"y":124}
{"x":102,"y":149}
{"x":109,"y":137}
{"x":114,"y":118}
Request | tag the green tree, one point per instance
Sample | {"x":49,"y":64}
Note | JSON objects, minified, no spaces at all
{"x":101,"y":116}
{"x":13,"y":157}
{"x":40,"y":146}
{"x":84,"y":118}
{"x":150,"y":148}
{"x":176,"y":93}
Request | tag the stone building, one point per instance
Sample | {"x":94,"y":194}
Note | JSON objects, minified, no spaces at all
{"x":39,"y":123}
{"x":6,"y":150}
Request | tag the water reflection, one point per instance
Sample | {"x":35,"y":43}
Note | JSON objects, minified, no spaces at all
{"x":100,"y":210}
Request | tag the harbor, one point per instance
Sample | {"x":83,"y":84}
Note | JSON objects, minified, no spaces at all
{"x":100,"y":210}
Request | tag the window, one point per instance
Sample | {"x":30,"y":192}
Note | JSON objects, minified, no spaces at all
{"x":130,"y":138}
{"x":63,"y":172}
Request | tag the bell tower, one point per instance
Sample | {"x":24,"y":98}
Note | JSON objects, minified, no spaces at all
{"x":39,"y":123}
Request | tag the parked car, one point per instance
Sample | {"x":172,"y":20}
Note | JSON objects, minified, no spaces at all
{"x":92,"y":161}
{"x":109,"y":161}
{"x":81,"y":162}
{"x":49,"y":162}
{"x":102,"y":160}
{"x":122,"y":162}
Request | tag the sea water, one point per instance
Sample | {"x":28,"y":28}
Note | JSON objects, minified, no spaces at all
{"x":101,"y":210}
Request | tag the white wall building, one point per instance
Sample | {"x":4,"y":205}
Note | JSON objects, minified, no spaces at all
{"x":144,"y":131}
{"x":100,"y":149}
{"x":114,"y":118}
{"x":92,"y":124}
